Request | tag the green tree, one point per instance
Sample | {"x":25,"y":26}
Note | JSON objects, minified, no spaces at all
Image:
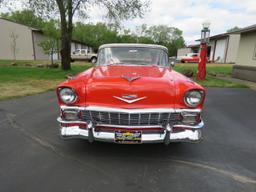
{"x":141,"y":30}
{"x":49,"y":47}
{"x":170,"y":37}
{"x":117,"y":11}
{"x":26,"y":17}
{"x":233,"y":29}
{"x":51,"y":44}
{"x":95,"y":34}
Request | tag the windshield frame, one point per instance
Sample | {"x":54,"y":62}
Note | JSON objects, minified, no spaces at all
{"x":133,"y":64}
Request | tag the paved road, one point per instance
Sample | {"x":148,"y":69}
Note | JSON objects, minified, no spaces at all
{"x":33,"y":158}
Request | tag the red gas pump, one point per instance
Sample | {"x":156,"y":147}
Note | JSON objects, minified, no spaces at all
{"x":205,"y":35}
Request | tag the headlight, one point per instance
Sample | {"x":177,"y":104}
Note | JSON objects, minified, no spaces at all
{"x":67,"y":95}
{"x":193,"y":98}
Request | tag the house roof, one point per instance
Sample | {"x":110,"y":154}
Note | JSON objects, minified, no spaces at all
{"x":32,"y":28}
{"x":193,"y":46}
{"x":219,"y":36}
{"x":38,"y":30}
{"x":246,"y":29}
{"x":224,"y":35}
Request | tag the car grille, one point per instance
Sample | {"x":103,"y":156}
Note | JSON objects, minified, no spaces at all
{"x":133,"y":119}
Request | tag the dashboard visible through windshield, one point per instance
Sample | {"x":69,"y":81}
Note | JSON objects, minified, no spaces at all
{"x":132,"y":56}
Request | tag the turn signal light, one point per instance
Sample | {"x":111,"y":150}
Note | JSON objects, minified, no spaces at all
{"x":70,"y":115}
{"x":191,"y":118}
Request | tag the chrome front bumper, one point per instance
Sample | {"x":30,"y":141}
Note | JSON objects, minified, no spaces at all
{"x":190,"y":134}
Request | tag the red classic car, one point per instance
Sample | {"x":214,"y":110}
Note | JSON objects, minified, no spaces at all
{"x":190,"y":58}
{"x":131,"y":95}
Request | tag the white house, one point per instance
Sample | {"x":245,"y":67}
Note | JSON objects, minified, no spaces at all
{"x":22,"y":40}
{"x":188,"y":49}
{"x":224,"y":47}
{"x":245,"y":66}
{"x":79,"y":45}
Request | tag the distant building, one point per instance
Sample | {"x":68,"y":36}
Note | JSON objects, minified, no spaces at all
{"x":80,"y":45}
{"x":27,"y":40}
{"x":224,"y":47}
{"x":245,"y":66}
{"x":221,"y":49}
{"x":189,"y":49}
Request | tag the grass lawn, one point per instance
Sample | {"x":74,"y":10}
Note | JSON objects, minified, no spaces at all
{"x":21,"y":80}
{"x":211,"y":81}
{"x":16,"y":81}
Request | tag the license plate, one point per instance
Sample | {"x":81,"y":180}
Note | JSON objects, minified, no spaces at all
{"x":128,"y":137}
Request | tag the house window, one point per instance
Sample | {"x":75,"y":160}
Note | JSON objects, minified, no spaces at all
{"x":254,"y":53}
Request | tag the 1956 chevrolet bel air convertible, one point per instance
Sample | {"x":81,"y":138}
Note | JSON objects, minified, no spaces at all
{"x":131,"y":95}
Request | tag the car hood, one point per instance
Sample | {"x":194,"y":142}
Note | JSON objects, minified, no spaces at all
{"x":130,"y":87}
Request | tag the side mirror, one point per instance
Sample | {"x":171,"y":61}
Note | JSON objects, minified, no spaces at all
{"x":94,"y":60}
{"x":172,"y":62}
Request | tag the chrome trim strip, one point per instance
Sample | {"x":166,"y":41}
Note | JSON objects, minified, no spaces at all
{"x":109,"y":118}
{"x":130,"y":100}
{"x":188,"y":110}
{"x":121,"y":110}
{"x":60,"y":120}
{"x":198,"y":126}
{"x":149,"y":118}
{"x":130,"y":126}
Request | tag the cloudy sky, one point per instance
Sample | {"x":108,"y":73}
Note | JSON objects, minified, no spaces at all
{"x":188,"y":15}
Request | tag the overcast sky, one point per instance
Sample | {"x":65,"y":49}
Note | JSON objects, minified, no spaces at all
{"x":188,"y":15}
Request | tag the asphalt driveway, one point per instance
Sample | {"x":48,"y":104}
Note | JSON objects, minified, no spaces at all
{"x":34,"y":158}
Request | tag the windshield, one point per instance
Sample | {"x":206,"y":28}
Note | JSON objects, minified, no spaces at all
{"x":132,"y":56}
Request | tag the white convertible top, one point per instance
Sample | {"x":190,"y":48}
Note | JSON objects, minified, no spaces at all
{"x":134,"y":45}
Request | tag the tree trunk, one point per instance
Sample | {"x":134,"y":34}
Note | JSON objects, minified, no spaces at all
{"x":65,"y":51}
{"x":66,"y":34}
{"x":52,"y":56}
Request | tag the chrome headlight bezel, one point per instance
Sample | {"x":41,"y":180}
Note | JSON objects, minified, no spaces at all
{"x":67,"y":95}
{"x":193,"y":98}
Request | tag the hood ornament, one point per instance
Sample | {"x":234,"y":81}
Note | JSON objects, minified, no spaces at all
{"x":130,"y":79}
{"x":130,"y":98}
